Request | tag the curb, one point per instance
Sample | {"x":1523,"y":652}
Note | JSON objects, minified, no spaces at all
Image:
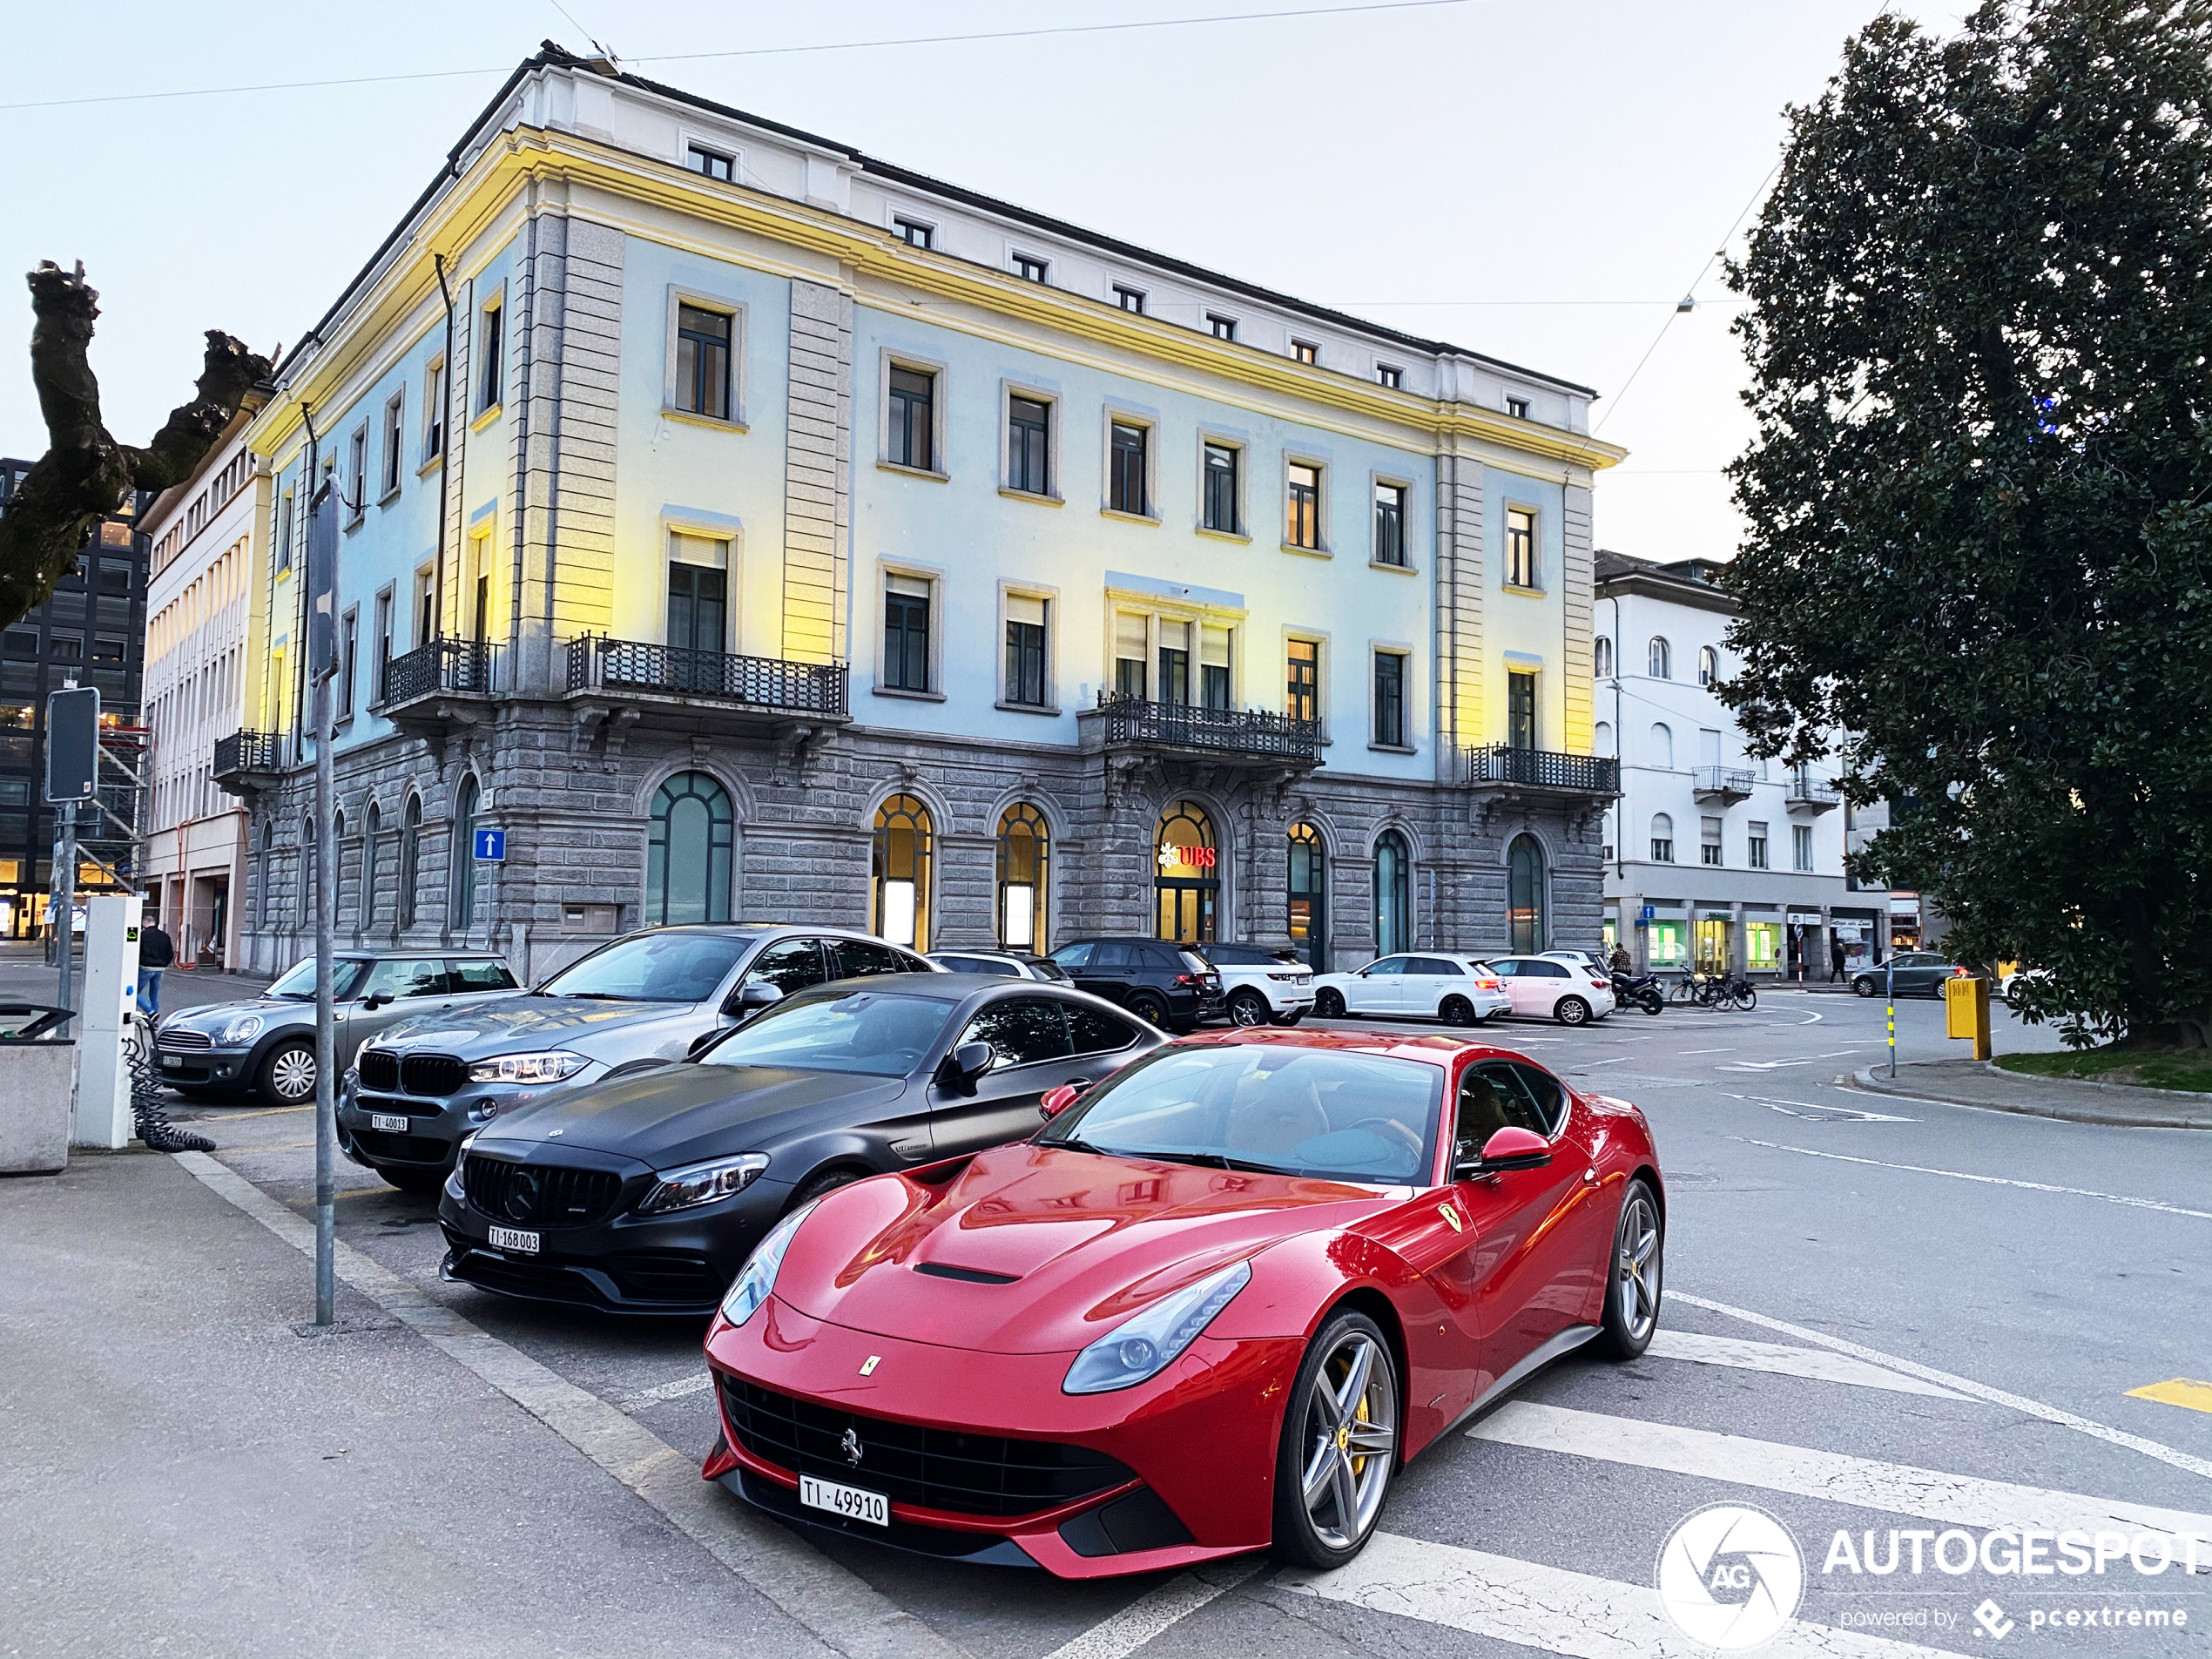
{"x":1864,"y":1078}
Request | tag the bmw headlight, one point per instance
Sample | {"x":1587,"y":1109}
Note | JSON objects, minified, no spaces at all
{"x":760,"y":1276}
{"x":1146,"y":1345}
{"x":697,"y":1184}
{"x":244,"y":1028}
{"x":554,"y":1065}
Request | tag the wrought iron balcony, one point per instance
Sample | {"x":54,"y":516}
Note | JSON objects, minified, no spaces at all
{"x":1132,"y":721}
{"x":1806,"y":794}
{"x":769,"y":683}
{"x":444,"y":667}
{"x":1547,"y":770}
{"x":1719,"y":786}
{"x":245,"y":754}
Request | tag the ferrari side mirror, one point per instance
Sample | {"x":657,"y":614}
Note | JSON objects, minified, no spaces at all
{"x":1508,"y":1149}
{"x":1057,"y":1101}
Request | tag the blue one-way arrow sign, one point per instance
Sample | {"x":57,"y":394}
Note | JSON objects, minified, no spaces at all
{"x":491,"y":846}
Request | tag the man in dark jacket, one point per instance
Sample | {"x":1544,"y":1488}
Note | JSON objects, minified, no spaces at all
{"x":156,"y":952}
{"x":1836,"y":957}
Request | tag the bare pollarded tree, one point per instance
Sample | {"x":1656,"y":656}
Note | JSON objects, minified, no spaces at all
{"x":85,"y":472}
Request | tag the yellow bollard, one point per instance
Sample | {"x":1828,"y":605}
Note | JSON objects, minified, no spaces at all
{"x":1965,"y":1013}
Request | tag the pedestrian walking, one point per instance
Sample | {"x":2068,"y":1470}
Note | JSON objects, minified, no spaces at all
{"x":1621,"y":962}
{"x":156,"y":952}
{"x":1837,"y":955}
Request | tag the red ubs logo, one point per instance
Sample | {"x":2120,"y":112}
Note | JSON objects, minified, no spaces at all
{"x":1186,"y":858}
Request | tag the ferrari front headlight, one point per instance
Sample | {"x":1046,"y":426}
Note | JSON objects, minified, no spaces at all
{"x":758,"y":1279}
{"x":1149,"y":1343}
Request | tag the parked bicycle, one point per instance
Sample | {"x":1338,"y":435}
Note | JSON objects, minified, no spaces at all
{"x":1720,"y":988}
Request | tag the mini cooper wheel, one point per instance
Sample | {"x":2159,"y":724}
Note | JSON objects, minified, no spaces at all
{"x":1457,"y":1010}
{"x":1339,"y":1445}
{"x":1632,"y":1286}
{"x":1248,"y":1008}
{"x":1328,"y":1004}
{"x":288,"y":1075}
{"x":1571,"y":1010}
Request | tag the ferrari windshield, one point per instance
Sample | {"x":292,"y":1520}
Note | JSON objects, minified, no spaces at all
{"x":867,"y":1032}
{"x":673,"y":966}
{"x":1291,"y":1112}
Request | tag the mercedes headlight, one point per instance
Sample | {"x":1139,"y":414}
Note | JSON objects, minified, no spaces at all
{"x":455,"y":1187}
{"x":554,"y":1065}
{"x":760,"y":1276}
{"x":1146,"y":1345}
{"x":244,"y":1028}
{"x":699,"y":1183}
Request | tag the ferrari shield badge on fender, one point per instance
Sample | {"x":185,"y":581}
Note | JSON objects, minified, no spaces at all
{"x":869,"y":1370}
{"x":1451,"y":1216}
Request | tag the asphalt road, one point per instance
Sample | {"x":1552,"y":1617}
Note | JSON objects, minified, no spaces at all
{"x":1883,"y":1314}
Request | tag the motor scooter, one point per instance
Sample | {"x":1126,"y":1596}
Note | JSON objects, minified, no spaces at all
{"x":1642,"y":989}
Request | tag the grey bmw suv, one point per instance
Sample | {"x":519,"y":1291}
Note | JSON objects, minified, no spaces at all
{"x":634,"y":1004}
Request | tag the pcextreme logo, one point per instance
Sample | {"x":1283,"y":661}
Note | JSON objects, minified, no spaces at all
{"x":1730,"y":1576}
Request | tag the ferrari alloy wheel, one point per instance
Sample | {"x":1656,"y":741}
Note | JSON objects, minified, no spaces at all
{"x":1248,"y":1007}
{"x":1633,"y":1284}
{"x":1328,"y":1004}
{"x":289,"y":1076}
{"x":1339,"y":1445}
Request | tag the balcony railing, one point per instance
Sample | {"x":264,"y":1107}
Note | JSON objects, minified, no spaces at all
{"x":247,"y":751}
{"x":1188,"y":725}
{"x":1722,"y":782}
{"x":443,"y":665}
{"x":1544,"y":769}
{"x":597,"y":662}
{"x":1809,"y":795}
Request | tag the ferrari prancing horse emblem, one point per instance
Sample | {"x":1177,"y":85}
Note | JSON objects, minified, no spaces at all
{"x":869,"y":1370}
{"x":851,"y":1446}
{"x":1451,"y":1216}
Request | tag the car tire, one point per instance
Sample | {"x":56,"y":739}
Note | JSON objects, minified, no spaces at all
{"x":1148,"y":1008}
{"x":824,"y":1180}
{"x":1316,"y":1532}
{"x":1328,"y":1004}
{"x":1571,"y":1010}
{"x":1289,"y":1019}
{"x":1633,"y":1276}
{"x":1863,"y":985}
{"x":1457,"y":1010}
{"x":1249,"y":1008}
{"x":413,"y":1180}
{"x":287,"y":1074}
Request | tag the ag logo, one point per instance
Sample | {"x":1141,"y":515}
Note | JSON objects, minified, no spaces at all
{"x":1730,"y":1576}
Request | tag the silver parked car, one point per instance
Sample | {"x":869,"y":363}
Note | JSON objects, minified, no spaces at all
{"x":268,"y":1043}
{"x":636,"y":1002}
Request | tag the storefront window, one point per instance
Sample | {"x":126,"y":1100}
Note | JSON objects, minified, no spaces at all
{"x":1525,"y":918}
{"x":1309,"y":898}
{"x":1763,"y":946}
{"x":688,"y":854}
{"x":1024,"y":847}
{"x":1394,"y":894}
{"x":899,"y":910}
{"x":1712,"y":944}
{"x":1665,"y":941}
{"x":1187,"y":881}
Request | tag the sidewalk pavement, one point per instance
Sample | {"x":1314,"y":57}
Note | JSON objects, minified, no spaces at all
{"x":1977,"y":1082}
{"x":25,"y":976}
{"x":181,"y":1472}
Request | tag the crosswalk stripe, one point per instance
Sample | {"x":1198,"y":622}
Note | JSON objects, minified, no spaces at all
{"x":1817,"y":1363}
{"x":1549,"y":1608}
{"x":1832,"y":1477}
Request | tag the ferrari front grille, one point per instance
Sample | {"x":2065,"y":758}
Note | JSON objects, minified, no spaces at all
{"x":946,"y":1469}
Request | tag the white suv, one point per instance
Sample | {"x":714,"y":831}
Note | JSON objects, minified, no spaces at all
{"x":1260,"y":985}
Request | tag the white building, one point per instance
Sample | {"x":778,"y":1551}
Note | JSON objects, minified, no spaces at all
{"x":206,"y":610}
{"x":1711,"y":856}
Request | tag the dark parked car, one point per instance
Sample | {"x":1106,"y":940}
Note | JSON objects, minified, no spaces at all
{"x":1919,"y":973}
{"x":1161,"y":982}
{"x":646,"y":1193}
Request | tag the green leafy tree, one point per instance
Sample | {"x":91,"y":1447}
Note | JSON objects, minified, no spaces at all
{"x":1981,"y":498}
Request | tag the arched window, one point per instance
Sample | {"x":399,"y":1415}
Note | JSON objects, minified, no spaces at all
{"x":1709,"y":665}
{"x":268,"y":873}
{"x":1663,"y":839}
{"x":1186,"y":883}
{"x":1661,"y":659}
{"x":1663,"y":744}
{"x":1526,"y":921}
{"x":1309,"y":896}
{"x":338,"y":867}
{"x":368,"y":867}
{"x":307,"y":871}
{"x":410,"y":859}
{"x":1394,"y":894}
{"x":1602,"y":737}
{"x":464,"y":855}
{"x":1025,"y":848}
{"x":688,"y":852}
{"x":899,"y":907}
{"x":1604,"y":656}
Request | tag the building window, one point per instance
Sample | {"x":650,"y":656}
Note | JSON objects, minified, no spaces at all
{"x":689,"y":851}
{"x":1128,"y":464}
{"x":1663,"y":745}
{"x":489,"y":384}
{"x":702,"y":361}
{"x":1130,"y":299}
{"x":914,"y":395}
{"x":1754,"y":847}
{"x":1520,"y":708}
{"x":1220,"y":506}
{"x":1306,"y":351}
{"x":284,"y":533}
{"x":1390,"y":523}
{"x":1302,"y":507}
{"x":383,"y":640}
{"x":464,"y":855}
{"x":1302,"y":700}
{"x":905,"y":633}
{"x":1390,"y":699}
{"x":1186,"y":887}
{"x":410,"y":859}
{"x":1025,"y":845}
{"x":1394,"y":894}
{"x":713,"y":163}
{"x":1659,"y":659}
{"x":368,"y":901}
{"x":1526,"y":924}
{"x":1801,"y":847}
{"x":698,"y":595}
{"x":1709,"y":841}
{"x":1222,"y":328}
{"x":1030,"y":269}
{"x":1025,"y":620}
{"x":1132,"y":638}
{"x":348,"y":661}
{"x":914,"y":233}
{"x":1389,"y":375}
{"x":1601,"y":739}
{"x":1663,"y":839}
{"x":356,"y":473}
{"x":899,"y":910}
{"x":1309,"y":918}
{"x":1709,"y":665}
{"x":1517,"y":408}
{"x":1175,"y":662}
{"x":1602,"y":661}
{"x":394,"y":440}
{"x":426,"y":604}
{"x":433,"y":411}
{"x":1521,"y":548}
{"x":1028,"y":446}
{"x":1213,"y":666}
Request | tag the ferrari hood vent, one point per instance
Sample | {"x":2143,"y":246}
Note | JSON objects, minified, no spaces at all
{"x":966,"y":1275}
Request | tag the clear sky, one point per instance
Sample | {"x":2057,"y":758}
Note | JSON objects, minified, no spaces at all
{"x":1540,"y":182}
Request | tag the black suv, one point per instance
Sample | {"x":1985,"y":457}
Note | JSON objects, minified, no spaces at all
{"x":1157,"y":981}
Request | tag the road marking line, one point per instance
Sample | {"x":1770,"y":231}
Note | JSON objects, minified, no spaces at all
{"x":1832,"y":1477}
{"x":2020,"y":1403}
{"x":677,"y":1390}
{"x":1549,"y":1608}
{"x":1818,"y":1364}
{"x":1760,"y":1065}
{"x":1691,"y":1051}
{"x":1988,"y":1180}
{"x":1151,"y":1614}
{"x":846,"y":1614}
{"x":1836,"y":1114}
{"x":2185,"y":1392}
